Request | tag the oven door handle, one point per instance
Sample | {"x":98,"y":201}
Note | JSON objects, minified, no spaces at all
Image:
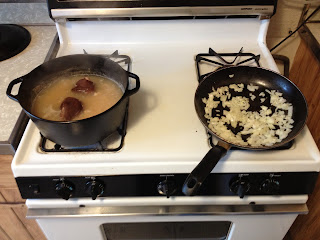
{"x":176,"y":210}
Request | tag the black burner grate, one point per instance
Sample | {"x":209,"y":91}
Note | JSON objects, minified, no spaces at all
{"x":123,"y":60}
{"x":217,"y":60}
{"x":112,"y":143}
{"x":212,"y":61}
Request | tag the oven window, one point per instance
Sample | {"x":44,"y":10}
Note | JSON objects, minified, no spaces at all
{"x":167,"y":230}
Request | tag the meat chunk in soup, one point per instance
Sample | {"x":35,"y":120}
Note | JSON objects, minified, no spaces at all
{"x":84,"y":85}
{"x":48,"y":102}
{"x":70,"y":107}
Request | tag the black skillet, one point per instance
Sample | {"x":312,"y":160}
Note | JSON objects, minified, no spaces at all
{"x":263,"y":78}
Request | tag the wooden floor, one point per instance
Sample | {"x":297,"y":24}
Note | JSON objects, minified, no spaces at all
{"x":305,"y":74}
{"x":13,"y":222}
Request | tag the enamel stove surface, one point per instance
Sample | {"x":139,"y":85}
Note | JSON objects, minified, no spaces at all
{"x":164,"y":135}
{"x":118,"y":195}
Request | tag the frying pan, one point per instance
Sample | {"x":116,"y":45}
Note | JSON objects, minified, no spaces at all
{"x":257,"y":76}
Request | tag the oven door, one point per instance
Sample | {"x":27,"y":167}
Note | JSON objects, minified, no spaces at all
{"x":212,"y":222}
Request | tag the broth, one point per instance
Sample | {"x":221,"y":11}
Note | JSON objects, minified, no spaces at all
{"x":47,"y":103}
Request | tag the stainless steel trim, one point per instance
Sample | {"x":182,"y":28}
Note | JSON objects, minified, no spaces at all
{"x":54,"y":48}
{"x":6,"y":148}
{"x":183,"y":210}
{"x":161,"y":11}
{"x":10,"y":146}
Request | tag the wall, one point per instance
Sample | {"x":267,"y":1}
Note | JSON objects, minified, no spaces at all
{"x":282,"y":23}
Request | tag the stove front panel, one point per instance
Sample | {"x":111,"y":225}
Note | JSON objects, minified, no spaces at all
{"x":150,"y":185}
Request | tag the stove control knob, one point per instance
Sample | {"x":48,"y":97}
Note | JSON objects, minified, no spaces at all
{"x":94,"y":188}
{"x":239,"y":186}
{"x":167,"y":188}
{"x":64,"y":189}
{"x":270,"y":186}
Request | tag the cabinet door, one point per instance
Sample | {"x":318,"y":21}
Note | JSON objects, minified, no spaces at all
{"x":305,"y":73}
{"x":13,"y":222}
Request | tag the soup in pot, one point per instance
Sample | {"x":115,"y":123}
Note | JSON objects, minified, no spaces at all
{"x":76,"y":97}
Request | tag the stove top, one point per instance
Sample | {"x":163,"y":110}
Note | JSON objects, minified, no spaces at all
{"x":164,"y":134}
{"x":164,"y":138}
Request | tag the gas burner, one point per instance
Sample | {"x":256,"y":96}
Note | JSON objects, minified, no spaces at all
{"x":212,"y":61}
{"x":112,"y":143}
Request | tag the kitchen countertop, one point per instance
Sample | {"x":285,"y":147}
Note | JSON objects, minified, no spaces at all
{"x":42,"y":38}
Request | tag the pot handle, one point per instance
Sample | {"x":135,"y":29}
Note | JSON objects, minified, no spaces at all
{"x":202,"y":170}
{"x":9,"y":89}
{"x":134,"y":90}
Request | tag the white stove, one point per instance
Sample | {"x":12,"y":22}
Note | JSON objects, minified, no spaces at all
{"x":165,"y":140}
{"x":164,"y":134}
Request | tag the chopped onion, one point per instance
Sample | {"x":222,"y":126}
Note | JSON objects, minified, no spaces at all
{"x":252,"y":88}
{"x":237,"y":87}
{"x":258,"y":128}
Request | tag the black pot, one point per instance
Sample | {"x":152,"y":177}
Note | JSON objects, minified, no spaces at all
{"x":80,"y":132}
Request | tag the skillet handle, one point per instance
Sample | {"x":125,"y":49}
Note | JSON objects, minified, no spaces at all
{"x":202,"y":170}
{"x":9,"y":89}
{"x":134,"y":90}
